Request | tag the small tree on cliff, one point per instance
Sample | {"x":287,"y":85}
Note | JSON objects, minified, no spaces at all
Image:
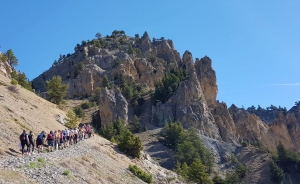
{"x":72,"y":120}
{"x":11,"y":58}
{"x":105,"y":82}
{"x":56,"y":90}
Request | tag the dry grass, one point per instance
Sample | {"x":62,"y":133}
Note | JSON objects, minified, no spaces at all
{"x":13,"y":89}
{"x":2,"y":152}
{"x":10,"y":176}
{"x":85,"y":158}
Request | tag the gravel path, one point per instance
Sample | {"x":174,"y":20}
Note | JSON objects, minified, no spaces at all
{"x":94,"y":160}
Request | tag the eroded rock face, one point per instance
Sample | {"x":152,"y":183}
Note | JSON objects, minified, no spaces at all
{"x":187,"y":105}
{"x":112,"y":105}
{"x":249,"y":127}
{"x":145,"y":45}
{"x":208,"y":79}
{"x":224,"y":122}
{"x":5,"y":68}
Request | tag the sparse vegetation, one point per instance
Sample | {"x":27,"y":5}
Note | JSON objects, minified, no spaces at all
{"x":140,"y":173}
{"x":135,"y":124}
{"x":165,"y":88}
{"x":20,"y":78}
{"x":14,"y":82}
{"x":79,"y":111}
{"x":66,"y":172}
{"x":189,"y":149}
{"x":127,"y":142}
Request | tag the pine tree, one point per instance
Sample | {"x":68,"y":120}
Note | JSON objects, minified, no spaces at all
{"x":105,"y":82}
{"x":277,"y":174}
{"x":11,"y":58}
{"x":56,"y":90}
{"x":197,"y":173}
{"x":135,"y":124}
{"x":72,"y":120}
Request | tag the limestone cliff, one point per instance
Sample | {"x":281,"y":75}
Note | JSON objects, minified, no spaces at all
{"x":112,"y":106}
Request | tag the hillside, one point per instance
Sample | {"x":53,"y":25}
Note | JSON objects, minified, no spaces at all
{"x":93,"y":160}
{"x":150,"y":80}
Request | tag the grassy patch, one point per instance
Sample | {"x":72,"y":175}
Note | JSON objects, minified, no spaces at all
{"x":20,"y":124}
{"x":141,"y":174}
{"x":41,"y":160}
{"x":66,"y":172}
{"x":40,"y":163}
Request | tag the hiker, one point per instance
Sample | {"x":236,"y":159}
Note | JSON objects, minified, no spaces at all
{"x":50,"y":140}
{"x":71,"y":136}
{"x":68,"y":136}
{"x":31,"y":142}
{"x":24,"y":141}
{"x":57,"y":134}
{"x":75,"y":135}
{"x":64,"y":134}
{"x":40,"y":141}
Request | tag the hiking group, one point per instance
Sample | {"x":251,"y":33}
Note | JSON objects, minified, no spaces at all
{"x":56,"y":140}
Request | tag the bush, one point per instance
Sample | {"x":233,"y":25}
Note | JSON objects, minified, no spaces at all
{"x":86,"y":105}
{"x":277,"y":174}
{"x":131,"y":145}
{"x":135,"y":125}
{"x":79,"y":111}
{"x":127,"y":142}
{"x":244,"y":144}
{"x":66,"y":172}
{"x":141,"y":174}
{"x":187,"y":144}
{"x":218,"y":180}
{"x":14,"y":82}
{"x":241,"y":170}
{"x":165,"y":88}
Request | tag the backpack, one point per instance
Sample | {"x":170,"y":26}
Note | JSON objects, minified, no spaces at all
{"x":40,"y":137}
{"x":50,"y":137}
{"x":22,"y":137}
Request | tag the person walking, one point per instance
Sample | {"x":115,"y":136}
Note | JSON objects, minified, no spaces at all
{"x":31,"y":142}
{"x":24,"y":141}
{"x":40,"y":141}
{"x":50,"y":140}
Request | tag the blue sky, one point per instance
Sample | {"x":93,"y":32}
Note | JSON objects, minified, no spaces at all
{"x":254,"y":45}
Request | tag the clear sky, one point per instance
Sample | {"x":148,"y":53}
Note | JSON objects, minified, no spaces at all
{"x":254,"y":45}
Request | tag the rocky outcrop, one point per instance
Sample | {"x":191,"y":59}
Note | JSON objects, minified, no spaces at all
{"x":224,"y":122}
{"x":5,"y":68}
{"x":268,"y":116}
{"x":112,"y":105}
{"x":187,"y":105}
{"x":277,"y":132}
{"x":249,"y":127}
{"x":145,"y":44}
{"x":164,"y":50}
{"x":208,"y":79}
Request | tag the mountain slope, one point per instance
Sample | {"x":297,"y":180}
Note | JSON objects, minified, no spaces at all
{"x":93,"y":160}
